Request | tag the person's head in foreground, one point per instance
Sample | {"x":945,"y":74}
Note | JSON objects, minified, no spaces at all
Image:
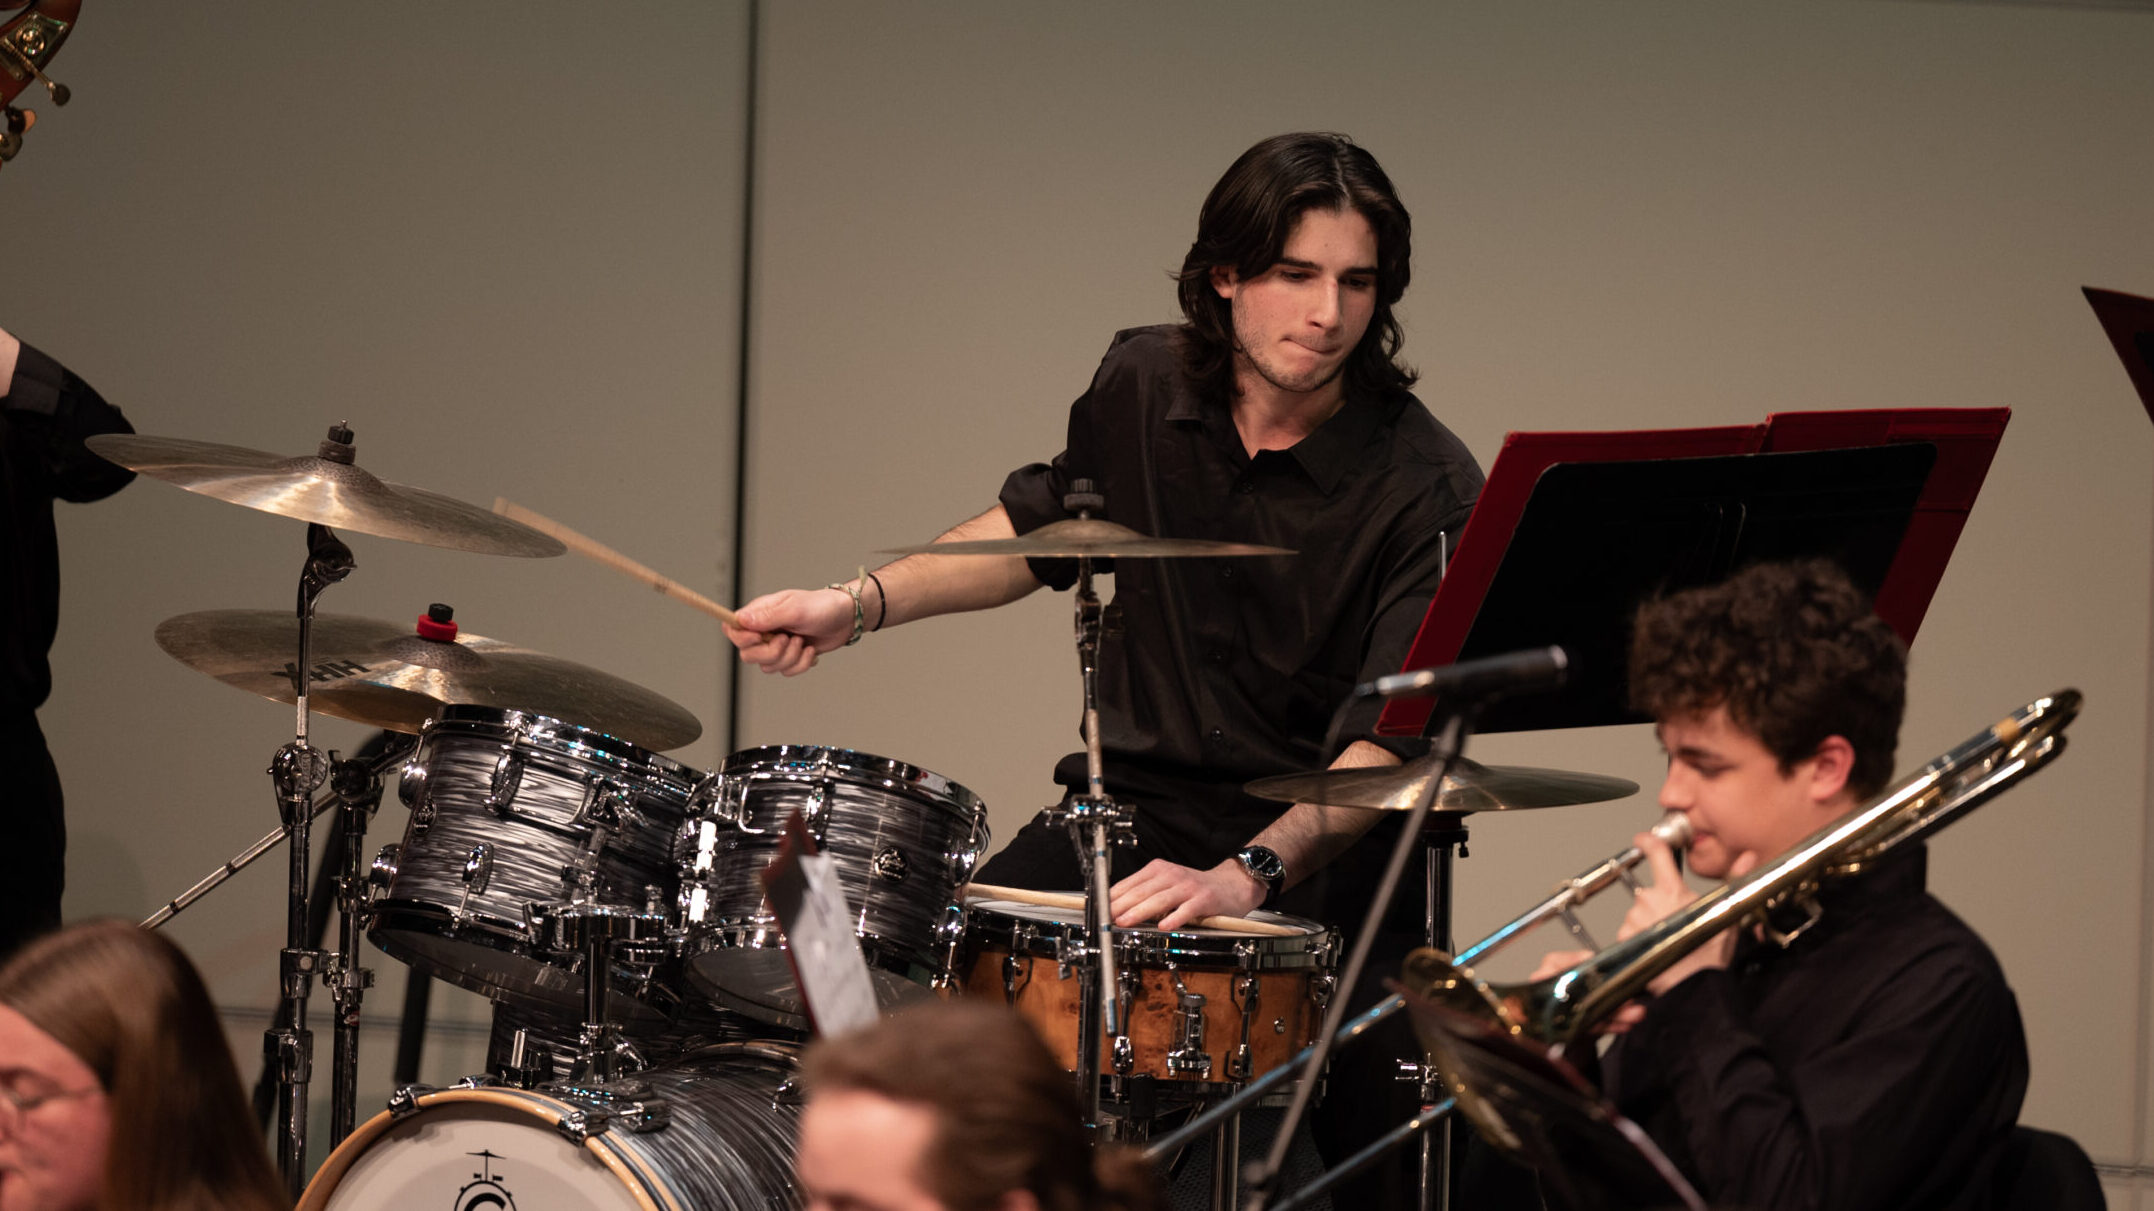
{"x":953,"y":1106}
{"x":116,"y":1087}
{"x":1777,"y":695}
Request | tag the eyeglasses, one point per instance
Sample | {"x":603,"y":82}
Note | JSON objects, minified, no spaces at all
{"x":16,"y":1105}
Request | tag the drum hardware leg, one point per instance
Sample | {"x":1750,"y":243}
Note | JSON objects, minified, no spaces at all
{"x":411,"y":1028}
{"x":358,"y":786}
{"x":1227,"y":1163}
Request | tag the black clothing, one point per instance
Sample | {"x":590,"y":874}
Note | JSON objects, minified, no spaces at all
{"x":1227,"y":670}
{"x":1876,"y":1062}
{"x":44,"y":417}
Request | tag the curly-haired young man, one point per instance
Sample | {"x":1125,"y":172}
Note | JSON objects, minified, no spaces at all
{"x":1874,"y":1060}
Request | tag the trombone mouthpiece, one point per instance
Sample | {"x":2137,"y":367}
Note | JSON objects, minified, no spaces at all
{"x":1674,"y":828}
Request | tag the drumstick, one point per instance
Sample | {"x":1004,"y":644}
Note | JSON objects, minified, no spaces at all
{"x":593,"y":549}
{"x":1064,"y":899}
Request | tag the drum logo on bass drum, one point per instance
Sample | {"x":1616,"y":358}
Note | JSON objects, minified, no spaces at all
{"x":486,"y":1190}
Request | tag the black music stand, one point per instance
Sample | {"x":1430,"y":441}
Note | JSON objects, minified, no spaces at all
{"x":1574,"y":531}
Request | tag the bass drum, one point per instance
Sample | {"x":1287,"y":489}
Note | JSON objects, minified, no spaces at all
{"x":725,"y":1144}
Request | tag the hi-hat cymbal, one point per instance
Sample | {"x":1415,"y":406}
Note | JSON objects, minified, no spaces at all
{"x":1472,"y":787}
{"x":383,"y":675}
{"x":318,"y":489}
{"x":1087,"y":538}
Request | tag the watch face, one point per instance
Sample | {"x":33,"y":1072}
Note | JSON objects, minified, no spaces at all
{"x":1263,"y":863}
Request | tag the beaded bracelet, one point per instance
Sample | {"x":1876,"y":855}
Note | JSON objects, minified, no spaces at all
{"x":851,"y":588}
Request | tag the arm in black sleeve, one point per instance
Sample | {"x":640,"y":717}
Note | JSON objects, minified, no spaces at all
{"x":49,"y":412}
{"x":1032,"y":495}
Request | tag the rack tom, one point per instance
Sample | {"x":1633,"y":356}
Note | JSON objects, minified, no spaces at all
{"x":903,"y":840}
{"x":512,"y":811}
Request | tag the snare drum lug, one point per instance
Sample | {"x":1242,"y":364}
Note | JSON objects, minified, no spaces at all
{"x":1188,"y":1056}
{"x":477,"y":1080}
{"x":507,"y":779}
{"x":1011,"y":970}
{"x":1320,"y":989}
{"x":1248,"y":994}
{"x":1125,"y":1056}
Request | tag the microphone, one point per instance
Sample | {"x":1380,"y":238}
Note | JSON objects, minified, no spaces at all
{"x":1522,"y":672}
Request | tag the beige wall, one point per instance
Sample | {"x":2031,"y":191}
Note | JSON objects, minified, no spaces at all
{"x":508,"y":255}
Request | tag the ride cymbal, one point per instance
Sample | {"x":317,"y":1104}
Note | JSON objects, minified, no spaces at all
{"x":1472,"y":787}
{"x":1088,"y":538}
{"x":325,"y":488}
{"x":383,"y":675}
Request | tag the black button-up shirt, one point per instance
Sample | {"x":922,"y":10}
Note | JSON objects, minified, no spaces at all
{"x":1226,"y":670}
{"x":1875,"y":1064}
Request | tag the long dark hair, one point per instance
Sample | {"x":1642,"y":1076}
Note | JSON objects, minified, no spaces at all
{"x":1244,"y":226}
{"x":1006,"y":1115}
{"x":130,"y":1005}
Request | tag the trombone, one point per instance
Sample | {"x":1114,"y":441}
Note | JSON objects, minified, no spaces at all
{"x":1556,"y":1011}
{"x":1560,"y":1010}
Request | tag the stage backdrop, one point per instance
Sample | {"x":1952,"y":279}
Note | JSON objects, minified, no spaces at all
{"x":505,"y":244}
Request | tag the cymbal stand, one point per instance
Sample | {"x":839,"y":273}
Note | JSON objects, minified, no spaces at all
{"x":298,"y":770}
{"x":372,"y":767}
{"x":1450,"y":740}
{"x":1096,"y":823}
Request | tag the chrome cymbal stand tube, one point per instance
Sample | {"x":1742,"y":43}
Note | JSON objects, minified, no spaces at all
{"x":298,"y":770}
{"x":1096,"y":824}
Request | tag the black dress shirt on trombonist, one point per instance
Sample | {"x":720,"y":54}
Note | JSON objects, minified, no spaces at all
{"x":1876,"y":1063}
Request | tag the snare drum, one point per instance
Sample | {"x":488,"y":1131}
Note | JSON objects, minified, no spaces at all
{"x":1209,"y":1006}
{"x":903,"y":839}
{"x":723,"y":1141}
{"x":510,"y":809}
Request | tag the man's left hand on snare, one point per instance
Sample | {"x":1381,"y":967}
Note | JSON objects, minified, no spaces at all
{"x":1173,"y":896}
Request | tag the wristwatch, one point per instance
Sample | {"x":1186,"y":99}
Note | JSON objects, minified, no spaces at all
{"x":1265,"y":867}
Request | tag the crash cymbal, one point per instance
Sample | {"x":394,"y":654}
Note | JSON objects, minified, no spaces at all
{"x":1088,"y":538}
{"x":1472,"y":787}
{"x":384,"y":675}
{"x":322,"y":488}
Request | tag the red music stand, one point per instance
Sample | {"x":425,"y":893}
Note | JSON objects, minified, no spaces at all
{"x":1574,"y":530}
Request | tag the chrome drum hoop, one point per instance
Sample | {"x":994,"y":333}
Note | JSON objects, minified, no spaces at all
{"x":904,"y":840}
{"x":508,"y":809}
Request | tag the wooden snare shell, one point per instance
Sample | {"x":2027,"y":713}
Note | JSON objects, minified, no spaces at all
{"x":1207,"y":1006}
